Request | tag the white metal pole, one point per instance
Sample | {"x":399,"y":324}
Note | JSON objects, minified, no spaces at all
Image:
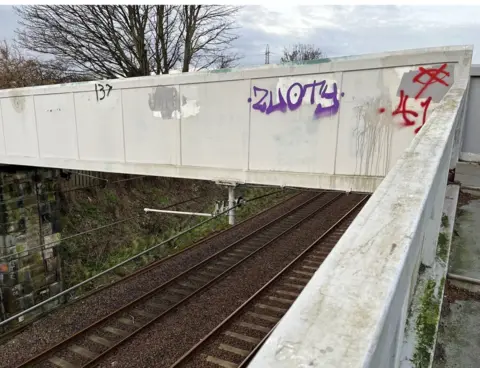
{"x":231,"y":203}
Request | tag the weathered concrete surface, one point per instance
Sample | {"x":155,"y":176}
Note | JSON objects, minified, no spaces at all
{"x":353,"y":311}
{"x":468,"y":174}
{"x":340,"y":124}
{"x":459,"y":336}
{"x":471,"y":143}
{"x":422,"y":323}
{"x":29,"y":214}
{"x":458,"y":340}
{"x":465,"y":258}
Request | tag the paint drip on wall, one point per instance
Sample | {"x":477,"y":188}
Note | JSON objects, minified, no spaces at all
{"x":373,"y":137}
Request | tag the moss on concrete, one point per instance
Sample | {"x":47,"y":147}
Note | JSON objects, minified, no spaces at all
{"x":440,"y":288}
{"x":27,"y":200}
{"x":426,"y":325}
{"x":442,"y":246}
{"x":308,"y":62}
{"x":465,"y":242}
{"x":445,"y":222}
{"x":20,"y":249}
{"x":224,"y":70}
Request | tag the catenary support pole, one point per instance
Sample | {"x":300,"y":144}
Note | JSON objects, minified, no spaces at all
{"x":231,"y":203}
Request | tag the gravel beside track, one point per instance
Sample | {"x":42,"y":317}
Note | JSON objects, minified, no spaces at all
{"x":129,"y":320}
{"x":66,"y":321}
{"x":161,"y":344}
{"x":255,"y":319}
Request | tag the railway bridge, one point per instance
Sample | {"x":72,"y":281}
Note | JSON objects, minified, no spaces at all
{"x":387,"y":128}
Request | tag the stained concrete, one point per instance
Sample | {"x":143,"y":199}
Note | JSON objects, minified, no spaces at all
{"x":465,"y":257}
{"x":459,"y":336}
{"x":458,"y":340}
{"x":419,"y":343}
{"x":29,"y":216}
{"x":468,"y":174}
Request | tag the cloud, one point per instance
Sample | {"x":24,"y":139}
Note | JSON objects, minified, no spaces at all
{"x":8,"y":22}
{"x":339,"y":30}
{"x":352,"y":30}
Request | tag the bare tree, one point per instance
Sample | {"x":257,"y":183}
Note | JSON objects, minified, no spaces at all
{"x":207,"y":34}
{"x":227,"y":61}
{"x":130,"y":40}
{"x":166,"y":39}
{"x":18,"y":70}
{"x":301,"y":52}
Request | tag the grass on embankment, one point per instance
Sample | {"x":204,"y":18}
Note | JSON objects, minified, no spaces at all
{"x":87,"y":255}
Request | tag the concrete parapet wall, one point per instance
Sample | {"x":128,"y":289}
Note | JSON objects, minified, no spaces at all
{"x":353,"y":311}
{"x":471,"y":142}
{"x":333,"y":124}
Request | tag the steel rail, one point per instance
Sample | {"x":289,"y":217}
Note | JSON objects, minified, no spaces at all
{"x":151,"y":265}
{"x":96,"y":276}
{"x":208,"y":284}
{"x":235,"y":313}
{"x":65,"y":342}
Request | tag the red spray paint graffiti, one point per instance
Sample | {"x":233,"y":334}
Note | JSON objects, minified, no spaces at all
{"x":433,"y":75}
{"x":402,"y":109}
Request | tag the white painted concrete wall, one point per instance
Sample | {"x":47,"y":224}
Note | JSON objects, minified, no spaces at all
{"x":205,"y":126}
{"x":353,"y":311}
{"x":471,"y":142}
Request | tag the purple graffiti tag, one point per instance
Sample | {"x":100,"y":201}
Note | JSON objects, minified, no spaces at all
{"x":313,"y":85}
{"x":280,"y":106}
{"x":259,"y":105}
{"x":293,"y":106}
{"x":294,"y":99}
{"x":321,"y":111}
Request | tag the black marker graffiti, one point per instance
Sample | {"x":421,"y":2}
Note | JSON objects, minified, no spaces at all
{"x":100,"y":88}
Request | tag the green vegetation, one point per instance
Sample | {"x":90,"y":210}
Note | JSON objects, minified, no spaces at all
{"x":87,"y":255}
{"x":443,"y":239}
{"x":442,"y":246}
{"x":111,"y":196}
{"x":445,"y":222}
{"x":426,"y":325}
{"x":440,"y":289}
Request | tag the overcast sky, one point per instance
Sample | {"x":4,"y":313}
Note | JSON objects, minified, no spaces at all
{"x":352,"y":30}
{"x":340,"y":30}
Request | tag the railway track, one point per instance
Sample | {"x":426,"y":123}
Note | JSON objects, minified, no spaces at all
{"x":152,"y":265}
{"x":87,"y":347}
{"x":234,"y":342}
{"x":23,"y":343}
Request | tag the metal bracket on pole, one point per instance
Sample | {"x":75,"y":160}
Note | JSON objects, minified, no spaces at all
{"x":179,"y":212}
{"x":231,"y":198}
{"x":232,"y":201}
{"x":227,"y":183}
